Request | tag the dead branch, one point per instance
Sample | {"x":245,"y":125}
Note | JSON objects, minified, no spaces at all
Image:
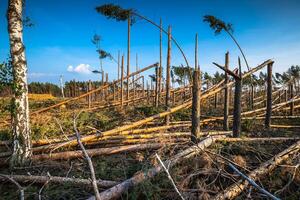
{"x":141,"y":176}
{"x":169,"y":176}
{"x":253,"y":182}
{"x":59,"y":180}
{"x":14,"y":182}
{"x":234,"y":190}
{"x":89,"y":161}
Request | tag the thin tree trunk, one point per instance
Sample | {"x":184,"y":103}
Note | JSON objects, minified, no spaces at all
{"x":168,"y":76}
{"x":252,"y":96}
{"x":237,"y":105}
{"x":20,"y":115}
{"x":226,"y":96}
{"x":160,"y":63}
{"x":216,"y":100}
{"x":269,"y":97}
{"x":156,"y":86}
{"x":196,"y":97}
{"x":90,"y":96}
{"x":118,"y":65}
{"x":122,"y":82}
{"x":62,"y":87}
{"x":128,"y":55}
{"x":291,"y":96}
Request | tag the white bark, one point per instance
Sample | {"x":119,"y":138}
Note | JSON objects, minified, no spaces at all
{"x":21,"y":129}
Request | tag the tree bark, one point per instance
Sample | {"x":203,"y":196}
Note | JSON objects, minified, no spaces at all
{"x":20,"y":114}
{"x":160,"y":63}
{"x":122,"y":82}
{"x":237,"y":105}
{"x":196,"y":97}
{"x":196,"y":106}
{"x":168,"y":75}
{"x":269,"y":97}
{"x":291,"y":96}
{"x":226,"y":96}
{"x":90,"y":96}
{"x":128,"y":54}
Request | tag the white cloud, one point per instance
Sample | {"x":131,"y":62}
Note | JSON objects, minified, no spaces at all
{"x":80,"y":69}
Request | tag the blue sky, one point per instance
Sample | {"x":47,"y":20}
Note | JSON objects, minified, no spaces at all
{"x":63,"y":29}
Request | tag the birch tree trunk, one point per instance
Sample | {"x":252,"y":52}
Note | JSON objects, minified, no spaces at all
{"x":20,"y":114}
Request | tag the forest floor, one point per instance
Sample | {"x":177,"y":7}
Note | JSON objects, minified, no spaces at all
{"x":200,"y":177}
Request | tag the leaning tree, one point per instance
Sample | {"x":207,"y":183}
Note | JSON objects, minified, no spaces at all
{"x":218,"y":26}
{"x":20,"y":109}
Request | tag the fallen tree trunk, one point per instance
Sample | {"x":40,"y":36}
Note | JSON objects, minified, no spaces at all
{"x":96,"y":152}
{"x":284,"y":126}
{"x":234,"y":190}
{"x":59,"y":180}
{"x":92,"y":91}
{"x":187,"y":104}
{"x":269,"y":139}
{"x":141,"y":176}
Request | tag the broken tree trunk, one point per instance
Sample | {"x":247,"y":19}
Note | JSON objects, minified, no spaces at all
{"x":269,"y":97}
{"x":226,"y":96}
{"x":291,"y":97}
{"x":187,"y":104}
{"x":96,"y":152}
{"x":196,"y":98}
{"x":236,"y":127}
{"x":122,"y":82}
{"x":116,"y":191}
{"x":59,"y":180}
{"x":91,"y":92}
{"x":234,"y":190}
{"x":168,"y":76}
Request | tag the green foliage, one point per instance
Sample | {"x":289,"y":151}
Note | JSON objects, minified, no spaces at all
{"x":44,"y":88}
{"x":180,"y":73}
{"x":217,"y":25}
{"x":116,"y":12}
{"x":6,"y":76}
{"x":148,"y":110}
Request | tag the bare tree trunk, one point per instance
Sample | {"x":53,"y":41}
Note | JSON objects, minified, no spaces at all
{"x":122,"y":82}
{"x":118,"y":65}
{"x":133,"y":88}
{"x":226,"y":96}
{"x":20,"y":115}
{"x":237,"y":104}
{"x":196,"y":97}
{"x":269,"y":97}
{"x":291,"y":96}
{"x":148,"y":93}
{"x":168,"y":76}
{"x":160,"y":63}
{"x":285,"y":95}
{"x":90,"y":96}
{"x":114,"y":92}
{"x":128,"y":55}
{"x":62,"y":87}
{"x":106,"y":83}
{"x":156,"y":85}
{"x":216,"y":100}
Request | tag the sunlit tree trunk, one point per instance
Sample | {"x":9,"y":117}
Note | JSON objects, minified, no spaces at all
{"x":128,"y":55}
{"x":168,"y":76}
{"x":226,"y":96}
{"x":21,"y":130}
